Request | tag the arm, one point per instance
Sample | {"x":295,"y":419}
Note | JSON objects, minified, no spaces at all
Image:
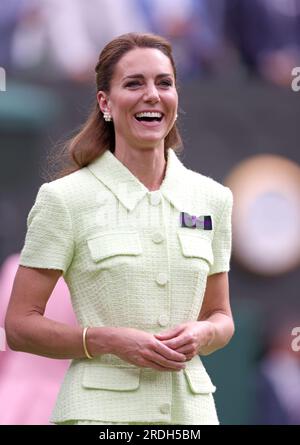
{"x":216,"y":312}
{"x":48,"y":250}
{"x":29,"y":331}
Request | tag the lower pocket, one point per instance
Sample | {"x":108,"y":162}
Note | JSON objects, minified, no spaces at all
{"x":110,"y":377}
{"x":199,"y":381}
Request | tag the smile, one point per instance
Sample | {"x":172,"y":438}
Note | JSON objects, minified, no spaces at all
{"x":149,"y":118}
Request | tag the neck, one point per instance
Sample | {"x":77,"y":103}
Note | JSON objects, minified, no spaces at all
{"x":148,"y":165}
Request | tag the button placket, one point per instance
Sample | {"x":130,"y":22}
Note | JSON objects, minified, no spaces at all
{"x":159,"y":237}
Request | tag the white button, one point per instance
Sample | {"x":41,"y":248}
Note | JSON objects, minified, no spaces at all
{"x":165,"y":408}
{"x":163,"y":320}
{"x":155,"y":198}
{"x":157,"y":237}
{"x":162,"y":278}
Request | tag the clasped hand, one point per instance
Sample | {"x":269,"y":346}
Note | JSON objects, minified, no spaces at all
{"x":167,"y":351}
{"x":188,"y":338}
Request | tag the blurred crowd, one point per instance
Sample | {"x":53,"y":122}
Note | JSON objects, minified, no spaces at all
{"x":53,"y":39}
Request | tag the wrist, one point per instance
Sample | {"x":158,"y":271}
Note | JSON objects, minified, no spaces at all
{"x":210,"y":334}
{"x":100,"y":340}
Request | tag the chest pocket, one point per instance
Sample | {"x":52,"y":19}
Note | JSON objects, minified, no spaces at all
{"x":194,"y":245}
{"x":114,"y":245}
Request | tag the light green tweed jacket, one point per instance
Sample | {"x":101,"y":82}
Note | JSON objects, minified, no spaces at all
{"x":128,"y":261}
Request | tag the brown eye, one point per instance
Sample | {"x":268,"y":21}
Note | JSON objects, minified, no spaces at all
{"x":167,"y":83}
{"x":133,"y":83}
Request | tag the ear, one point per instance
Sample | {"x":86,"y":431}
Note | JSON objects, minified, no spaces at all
{"x":103,"y":101}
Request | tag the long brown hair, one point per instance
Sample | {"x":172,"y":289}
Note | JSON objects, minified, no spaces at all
{"x":96,"y":135}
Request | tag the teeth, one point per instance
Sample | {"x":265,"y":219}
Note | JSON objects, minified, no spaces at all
{"x":149,"y":114}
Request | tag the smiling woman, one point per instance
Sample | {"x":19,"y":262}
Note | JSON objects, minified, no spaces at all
{"x":149,"y":290}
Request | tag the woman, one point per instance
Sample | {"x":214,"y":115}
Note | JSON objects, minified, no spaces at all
{"x":143,"y":244}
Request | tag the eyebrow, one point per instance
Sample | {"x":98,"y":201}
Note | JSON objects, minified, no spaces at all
{"x":141,"y":76}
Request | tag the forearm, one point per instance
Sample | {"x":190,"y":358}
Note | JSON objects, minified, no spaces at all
{"x":39,"y":335}
{"x":220,"y":329}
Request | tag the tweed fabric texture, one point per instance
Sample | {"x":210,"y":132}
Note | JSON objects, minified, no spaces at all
{"x":128,"y":262}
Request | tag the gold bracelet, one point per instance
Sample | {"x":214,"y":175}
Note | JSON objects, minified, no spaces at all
{"x":84,"y":343}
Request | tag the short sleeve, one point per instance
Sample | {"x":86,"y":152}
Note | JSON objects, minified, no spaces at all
{"x":49,"y":238}
{"x":222,"y":240}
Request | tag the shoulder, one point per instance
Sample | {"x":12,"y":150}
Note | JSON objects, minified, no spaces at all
{"x":205,"y":186}
{"x":69,"y":187}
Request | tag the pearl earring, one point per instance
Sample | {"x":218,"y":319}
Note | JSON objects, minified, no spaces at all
{"x":107,"y":116}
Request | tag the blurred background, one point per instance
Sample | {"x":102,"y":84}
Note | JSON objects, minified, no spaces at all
{"x":239,"y":117}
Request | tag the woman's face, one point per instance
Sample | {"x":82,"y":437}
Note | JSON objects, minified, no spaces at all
{"x":143,"y":83}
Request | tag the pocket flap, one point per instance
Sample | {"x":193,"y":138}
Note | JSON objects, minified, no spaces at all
{"x":115,"y":378}
{"x":194,"y":245}
{"x":199,"y":381}
{"x":109,"y":244}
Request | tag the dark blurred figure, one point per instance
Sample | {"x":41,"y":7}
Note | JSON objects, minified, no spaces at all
{"x":277,"y":383}
{"x":267,"y":35}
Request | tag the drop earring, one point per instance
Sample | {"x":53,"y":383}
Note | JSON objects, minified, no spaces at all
{"x":107,"y":116}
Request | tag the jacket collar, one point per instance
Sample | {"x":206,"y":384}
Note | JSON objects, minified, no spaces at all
{"x":127,"y":187}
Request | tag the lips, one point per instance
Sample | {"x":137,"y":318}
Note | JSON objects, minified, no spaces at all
{"x":149,"y":118}
{"x":150,"y":123}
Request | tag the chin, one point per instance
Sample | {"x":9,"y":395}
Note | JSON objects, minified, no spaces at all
{"x":150,"y":142}
{"x":151,"y":138}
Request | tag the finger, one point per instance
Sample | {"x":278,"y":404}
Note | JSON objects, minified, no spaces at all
{"x":187,"y":349}
{"x":162,"y":361}
{"x":169,"y":333}
{"x":154,"y":365}
{"x":168,"y":353}
{"x":176,"y":343}
{"x":182,"y":343}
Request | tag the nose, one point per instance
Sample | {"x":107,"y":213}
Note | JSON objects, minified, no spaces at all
{"x":151,"y":94}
